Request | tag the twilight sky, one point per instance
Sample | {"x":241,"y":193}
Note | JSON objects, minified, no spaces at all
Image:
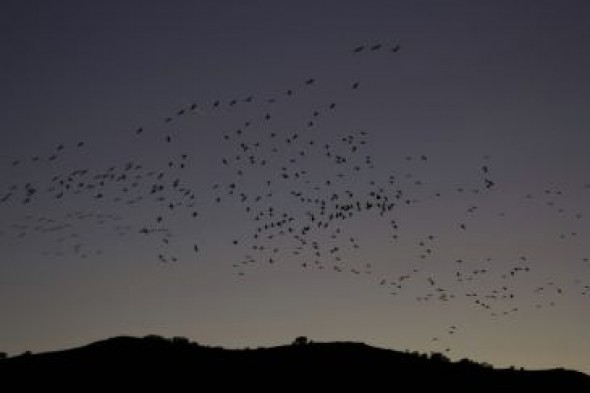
{"x":235,"y":172}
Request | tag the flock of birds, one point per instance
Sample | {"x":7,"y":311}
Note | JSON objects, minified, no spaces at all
{"x":303,"y":190}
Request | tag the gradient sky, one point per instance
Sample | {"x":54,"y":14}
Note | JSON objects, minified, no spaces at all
{"x":501,"y":84}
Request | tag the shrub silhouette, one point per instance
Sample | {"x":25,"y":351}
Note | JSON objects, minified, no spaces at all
{"x":301,"y":340}
{"x":154,"y":337}
{"x":439,"y":357}
{"x":178,"y":340}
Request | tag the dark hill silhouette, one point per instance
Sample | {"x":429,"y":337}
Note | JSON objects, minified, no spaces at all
{"x":155,"y":361}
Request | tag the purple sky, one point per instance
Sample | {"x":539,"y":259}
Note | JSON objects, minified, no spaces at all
{"x":478,"y":91}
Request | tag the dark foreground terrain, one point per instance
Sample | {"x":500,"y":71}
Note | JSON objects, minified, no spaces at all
{"x":177,"y":364}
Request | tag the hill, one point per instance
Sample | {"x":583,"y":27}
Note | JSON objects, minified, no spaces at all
{"x":155,"y":361}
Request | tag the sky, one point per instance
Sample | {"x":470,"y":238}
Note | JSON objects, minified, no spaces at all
{"x":410,"y":174}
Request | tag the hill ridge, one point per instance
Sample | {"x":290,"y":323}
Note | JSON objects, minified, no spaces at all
{"x":155,"y":359}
